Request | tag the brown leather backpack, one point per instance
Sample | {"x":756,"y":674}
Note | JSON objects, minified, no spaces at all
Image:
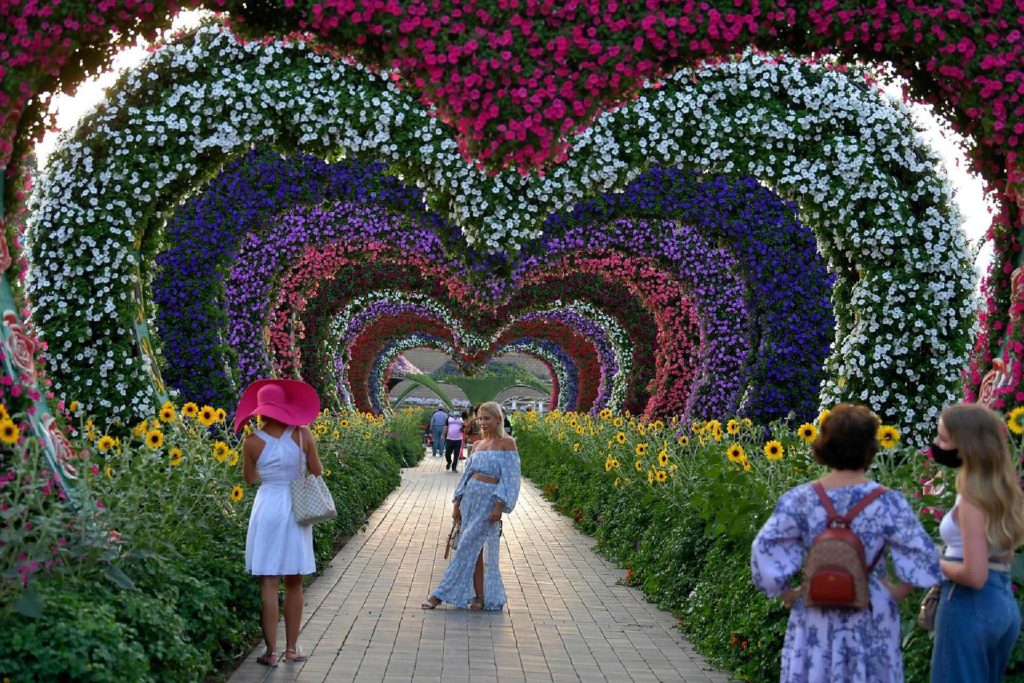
{"x":836,"y":570}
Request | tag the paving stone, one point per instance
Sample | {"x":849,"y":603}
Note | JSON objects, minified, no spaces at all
{"x":569,"y":618}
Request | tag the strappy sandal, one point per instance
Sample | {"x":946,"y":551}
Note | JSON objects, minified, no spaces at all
{"x":298,"y":655}
{"x":430,"y":604}
{"x":477,"y":604}
{"x":268,"y":658}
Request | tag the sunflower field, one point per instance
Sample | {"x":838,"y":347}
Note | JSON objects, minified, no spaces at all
{"x":678,"y":506}
{"x":141,"y":577}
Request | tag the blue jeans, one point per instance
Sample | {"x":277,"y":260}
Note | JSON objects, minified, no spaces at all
{"x":437,"y":443}
{"x":975,"y":631}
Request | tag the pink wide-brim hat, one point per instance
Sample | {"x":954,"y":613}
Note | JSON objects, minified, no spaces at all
{"x":290,"y":401}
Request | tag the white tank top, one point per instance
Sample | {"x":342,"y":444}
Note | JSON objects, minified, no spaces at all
{"x":951,"y":535}
{"x":949,"y":531}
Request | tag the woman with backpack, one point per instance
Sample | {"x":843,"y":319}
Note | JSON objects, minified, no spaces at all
{"x":978,"y":620}
{"x":844,"y":624}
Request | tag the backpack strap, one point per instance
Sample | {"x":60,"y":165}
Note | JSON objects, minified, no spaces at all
{"x":863,"y":503}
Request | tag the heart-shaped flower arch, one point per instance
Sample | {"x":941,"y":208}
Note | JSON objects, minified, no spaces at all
{"x":862,"y":180}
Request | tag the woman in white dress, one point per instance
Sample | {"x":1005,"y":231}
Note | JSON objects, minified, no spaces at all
{"x":276,"y":545}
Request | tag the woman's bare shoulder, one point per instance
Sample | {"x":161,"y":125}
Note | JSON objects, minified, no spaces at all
{"x":506,"y":444}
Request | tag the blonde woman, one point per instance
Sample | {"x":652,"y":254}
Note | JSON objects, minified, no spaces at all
{"x":489,"y":487}
{"x":978,"y":619}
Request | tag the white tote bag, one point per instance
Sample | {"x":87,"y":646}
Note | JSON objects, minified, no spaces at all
{"x":311,"y":500}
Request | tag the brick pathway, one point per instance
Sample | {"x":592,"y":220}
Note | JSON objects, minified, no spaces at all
{"x":567,"y":617}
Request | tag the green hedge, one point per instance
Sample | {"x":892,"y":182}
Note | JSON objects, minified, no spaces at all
{"x":686,"y":542}
{"x":170,"y":600}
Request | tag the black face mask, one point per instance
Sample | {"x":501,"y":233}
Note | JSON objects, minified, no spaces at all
{"x":947,"y":457}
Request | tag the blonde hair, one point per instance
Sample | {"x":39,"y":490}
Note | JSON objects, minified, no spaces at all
{"x":495,"y":411}
{"x":988,"y":477}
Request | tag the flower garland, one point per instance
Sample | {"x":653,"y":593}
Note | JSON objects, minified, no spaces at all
{"x":860,"y":199}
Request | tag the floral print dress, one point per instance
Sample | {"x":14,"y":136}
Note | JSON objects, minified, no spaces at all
{"x":478,"y":532}
{"x":835,"y":644}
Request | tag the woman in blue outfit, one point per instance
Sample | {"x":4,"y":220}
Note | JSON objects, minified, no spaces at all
{"x":852,"y":646}
{"x":488,"y":488}
{"x":978,"y":620}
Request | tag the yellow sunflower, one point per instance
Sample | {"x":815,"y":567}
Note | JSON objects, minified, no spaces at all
{"x":639,"y":465}
{"x":190,"y":409}
{"x":661,"y":476}
{"x":220,"y":451}
{"x":607,"y":464}
{"x":167,"y":414}
{"x":232,"y":457}
{"x":576,"y":448}
{"x":141,"y":429}
{"x":773,"y":450}
{"x":207,"y":416}
{"x":650,"y":477}
{"x":823,"y":415}
{"x":327,"y":471}
{"x":747,"y":424}
{"x":683,"y":441}
{"x":733,"y":427}
{"x":176,"y":455}
{"x":9,"y":431}
{"x":618,"y":480}
{"x":736,"y":453}
{"x":105,"y":443}
{"x":618,"y":422}
{"x":4,"y":415}
{"x":807,"y":432}
{"x":715,"y":432}
{"x":221,"y":415}
{"x":696,"y":427}
{"x":154,"y":438}
{"x":73,"y":407}
{"x":605,"y":414}
{"x":746,"y":466}
{"x":641,"y":449}
{"x":663,"y":458}
{"x":237,"y":493}
{"x":90,"y":430}
{"x":615,"y":464}
{"x":620,"y":438}
{"x":344,"y":424}
{"x":888,"y":436}
{"x":1015,"y":421}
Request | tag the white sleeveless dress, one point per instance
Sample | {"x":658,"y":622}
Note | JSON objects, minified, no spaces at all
{"x":277,"y":545}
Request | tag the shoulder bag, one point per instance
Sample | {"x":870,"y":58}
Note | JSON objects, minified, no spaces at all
{"x":311,"y":500}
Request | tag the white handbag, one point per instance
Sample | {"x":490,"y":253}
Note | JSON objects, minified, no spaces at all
{"x":311,"y":500}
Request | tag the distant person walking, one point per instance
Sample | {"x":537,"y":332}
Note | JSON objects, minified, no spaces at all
{"x":453,"y":440}
{"x":437,"y":422}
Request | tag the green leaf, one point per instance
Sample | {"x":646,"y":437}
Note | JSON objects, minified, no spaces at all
{"x":119,"y":578}
{"x":29,"y":604}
